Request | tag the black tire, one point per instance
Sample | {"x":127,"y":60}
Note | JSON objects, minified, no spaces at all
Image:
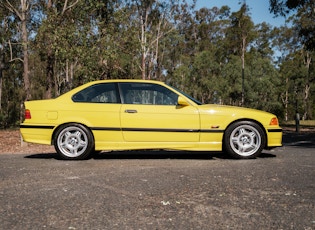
{"x":73,"y":142}
{"x":244,"y":140}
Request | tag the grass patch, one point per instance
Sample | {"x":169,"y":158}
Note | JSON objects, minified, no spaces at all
{"x":306,"y":123}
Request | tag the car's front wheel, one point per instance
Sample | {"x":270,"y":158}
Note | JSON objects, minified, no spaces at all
{"x":244,"y":140}
{"x":73,"y":142}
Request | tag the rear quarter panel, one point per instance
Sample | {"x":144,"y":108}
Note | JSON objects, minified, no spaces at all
{"x":48,"y":115}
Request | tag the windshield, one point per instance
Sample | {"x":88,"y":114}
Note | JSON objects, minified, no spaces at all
{"x":186,"y":95}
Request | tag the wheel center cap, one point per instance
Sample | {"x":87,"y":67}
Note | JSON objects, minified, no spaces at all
{"x":73,"y":141}
{"x":244,"y":139}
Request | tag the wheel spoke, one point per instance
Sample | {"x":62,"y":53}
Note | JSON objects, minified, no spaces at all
{"x":252,"y":135}
{"x":82,"y":144}
{"x":74,"y":151}
{"x":67,"y":134}
{"x":253,"y":146}
{"x":235,"y":140}
{"x":78,"y":134}
{"x":242,"y":131}
{"x":241,"y":149}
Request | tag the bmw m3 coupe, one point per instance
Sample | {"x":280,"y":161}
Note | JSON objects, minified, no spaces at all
{"x":144,"y":114}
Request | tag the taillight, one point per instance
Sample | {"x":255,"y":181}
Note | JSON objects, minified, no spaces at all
{"x":274,"y":121}
{"x":27,"y":114}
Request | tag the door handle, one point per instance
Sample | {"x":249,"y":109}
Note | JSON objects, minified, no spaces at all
{"x":131,"y":111}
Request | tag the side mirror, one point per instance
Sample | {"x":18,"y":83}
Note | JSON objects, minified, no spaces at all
{"x":182,"y":101}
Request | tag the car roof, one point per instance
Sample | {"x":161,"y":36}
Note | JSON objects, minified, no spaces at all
{"x":77,"y":89}
{"x":126,"y":80}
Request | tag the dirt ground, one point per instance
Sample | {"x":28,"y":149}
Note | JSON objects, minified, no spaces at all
{"x":10,"y":142}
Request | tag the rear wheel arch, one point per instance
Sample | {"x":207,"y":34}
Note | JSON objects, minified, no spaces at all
{"x":53,"y":136}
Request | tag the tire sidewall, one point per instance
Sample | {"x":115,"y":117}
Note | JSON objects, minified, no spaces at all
{"x":90,"y":140}
{"x":227,"y":135}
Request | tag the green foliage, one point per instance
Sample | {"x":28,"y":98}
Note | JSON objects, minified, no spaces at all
{"x":263,"y":85}
{"x":303,"y":20}
{"x":232,"y":73}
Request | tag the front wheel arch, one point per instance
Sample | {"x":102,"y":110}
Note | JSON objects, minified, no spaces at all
{"x":257,"y":129}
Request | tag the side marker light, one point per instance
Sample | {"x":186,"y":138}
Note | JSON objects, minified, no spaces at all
{"x":274,"y":121}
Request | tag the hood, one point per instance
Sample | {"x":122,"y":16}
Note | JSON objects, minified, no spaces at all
{"x":233,"y":111}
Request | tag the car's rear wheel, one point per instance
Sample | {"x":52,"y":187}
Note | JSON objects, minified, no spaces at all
{"x":73,"y":142}
{"x":244,"y":140}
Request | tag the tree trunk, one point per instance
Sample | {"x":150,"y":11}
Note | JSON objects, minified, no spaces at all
{"x":143,"y":47}
{"x":286,"y":99}
{"x":50,"y":62}
{"x":26,"y":78}
{"x":243,"y":69}
{"x":50,"y":73}
{"x":307,"y":109}
{"x":0,"y":88}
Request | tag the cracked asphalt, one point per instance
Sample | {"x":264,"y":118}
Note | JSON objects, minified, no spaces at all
{"x":161,"y":190}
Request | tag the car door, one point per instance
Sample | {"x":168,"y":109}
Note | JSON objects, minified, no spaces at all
{"x":149,"y":113}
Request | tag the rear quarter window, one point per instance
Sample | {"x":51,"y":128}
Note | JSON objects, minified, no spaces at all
{"x":98,"y":93}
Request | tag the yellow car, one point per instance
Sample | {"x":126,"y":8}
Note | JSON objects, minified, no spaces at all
{"x":143,"y":114}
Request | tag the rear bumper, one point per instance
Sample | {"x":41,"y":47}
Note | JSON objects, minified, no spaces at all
{"x":38,"y":134}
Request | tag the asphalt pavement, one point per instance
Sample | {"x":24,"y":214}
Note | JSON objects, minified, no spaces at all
{"x":161,"y":190}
